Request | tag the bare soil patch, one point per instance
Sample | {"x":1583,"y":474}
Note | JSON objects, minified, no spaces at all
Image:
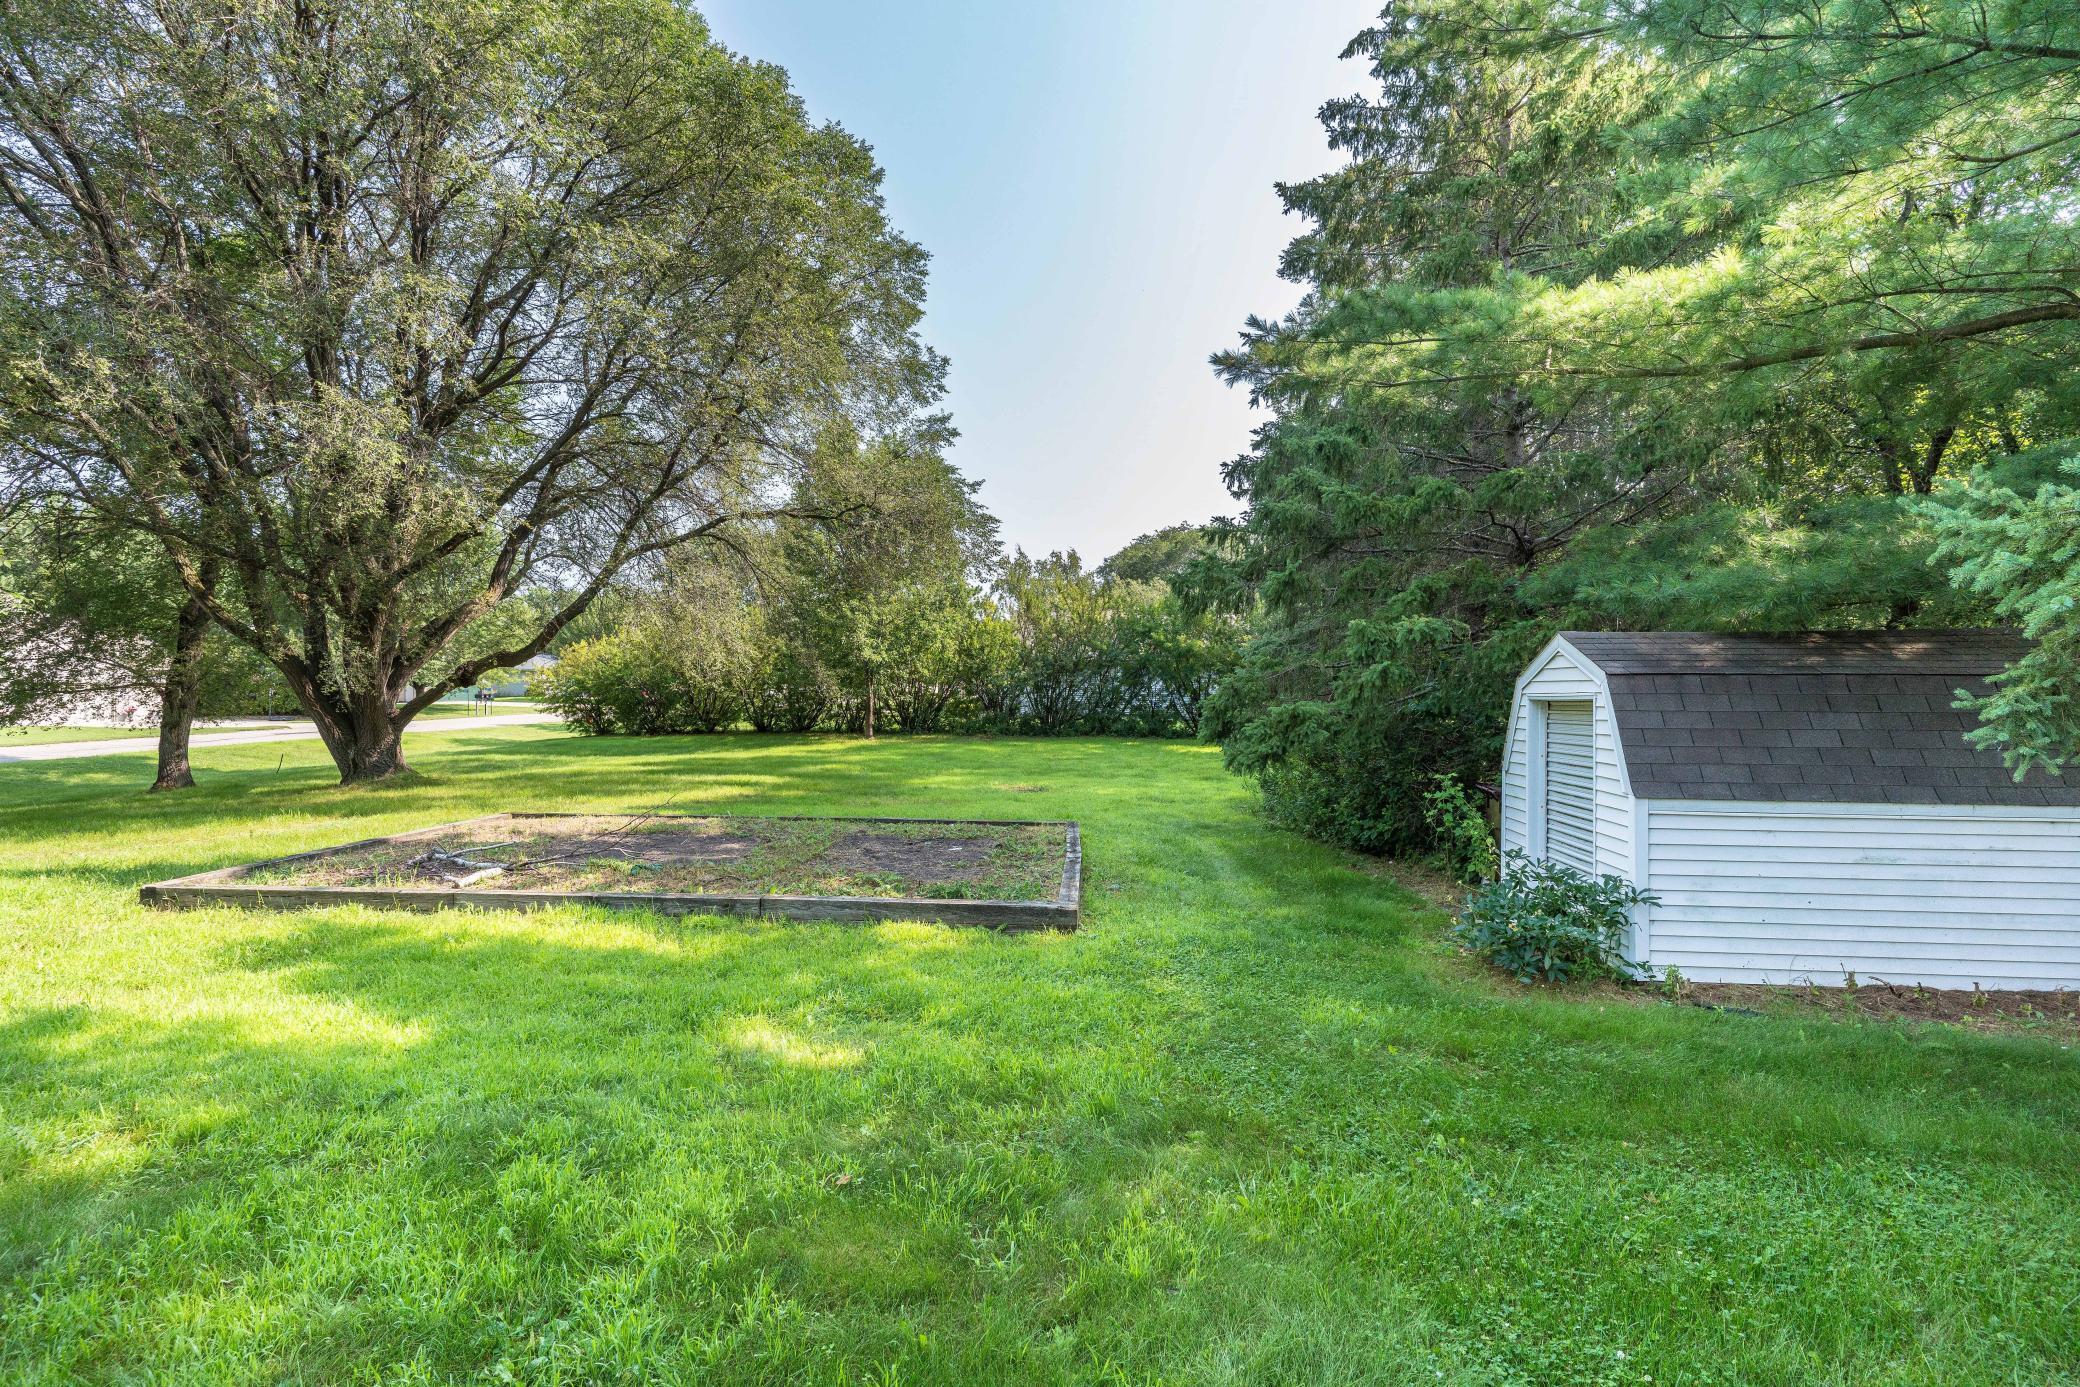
{"x":720,"y":855}
{"x":938,"y":858}
{"x":2057,"y":1012}
{"x":2054,"y":1015}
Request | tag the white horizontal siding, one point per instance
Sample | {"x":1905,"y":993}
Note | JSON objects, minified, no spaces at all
{"x":1949,"y":897}
{"x":1614,"y":803}
{"x":1559,"y":674}
{"x":1514,"y":832}
{"x":1992,"y":851}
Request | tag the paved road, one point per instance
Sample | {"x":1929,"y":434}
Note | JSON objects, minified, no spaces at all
{"x":279,"y":732}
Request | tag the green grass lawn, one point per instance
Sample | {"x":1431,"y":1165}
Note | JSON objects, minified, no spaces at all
{"x":1252,"y":1125}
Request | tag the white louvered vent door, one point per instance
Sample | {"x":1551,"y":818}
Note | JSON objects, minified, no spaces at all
{"x":1571,"y":784}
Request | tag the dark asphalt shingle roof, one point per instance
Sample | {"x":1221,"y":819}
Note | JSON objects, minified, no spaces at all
{"x":1850,"y":717}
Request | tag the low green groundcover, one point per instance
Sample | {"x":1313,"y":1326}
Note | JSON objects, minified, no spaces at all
{"x":1257,"y":1122}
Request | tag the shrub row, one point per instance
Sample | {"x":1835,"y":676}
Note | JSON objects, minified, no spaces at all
{"x":1059,"y":653}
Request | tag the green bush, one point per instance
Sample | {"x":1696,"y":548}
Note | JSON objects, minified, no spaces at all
{"x":1462,"y":830}
{"x":1092,"y":655}
{"x":1542,"y":922}
{"x":1344,"y":764}
{"x":650,"y":680}
{"x":1056,"y":651}
{"x":589,"y":688}
{"x":793,"y":692}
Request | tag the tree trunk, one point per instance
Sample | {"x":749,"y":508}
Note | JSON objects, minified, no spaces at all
{"x":870,"y":707}
{"x":1932,"y":460}
{"x":375,"y":753}
{"x":181,"y":697}
{"x":363,"y":734}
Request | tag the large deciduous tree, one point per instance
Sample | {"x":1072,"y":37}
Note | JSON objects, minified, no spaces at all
{"x":377,"y":315}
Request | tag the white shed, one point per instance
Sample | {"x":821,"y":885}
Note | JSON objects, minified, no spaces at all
{"x":1805,"y":807}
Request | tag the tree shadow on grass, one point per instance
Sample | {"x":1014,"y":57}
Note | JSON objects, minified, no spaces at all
{"x":1073,"y":1074}
{"x":1232,"y":1034}
{"x":1326,"y":1001}
{"x":116,"y":1123}
{"x":1342,"y":939}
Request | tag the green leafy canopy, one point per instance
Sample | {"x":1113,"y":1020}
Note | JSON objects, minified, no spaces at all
{"x":1655,"y":315}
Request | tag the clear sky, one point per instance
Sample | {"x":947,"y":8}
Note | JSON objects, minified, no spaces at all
{"x":1094,"y":183}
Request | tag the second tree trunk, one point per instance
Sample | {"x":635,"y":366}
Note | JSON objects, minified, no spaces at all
{"x":181,"y":697}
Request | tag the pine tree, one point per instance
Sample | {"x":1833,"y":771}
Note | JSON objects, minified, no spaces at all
{"x":1392,"y":516}
{"x":1668,"y":314}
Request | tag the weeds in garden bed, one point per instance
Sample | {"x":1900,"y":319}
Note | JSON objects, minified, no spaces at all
{"x":718,"y":855}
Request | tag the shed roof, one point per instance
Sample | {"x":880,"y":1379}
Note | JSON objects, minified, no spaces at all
{"x":1850,"y":717}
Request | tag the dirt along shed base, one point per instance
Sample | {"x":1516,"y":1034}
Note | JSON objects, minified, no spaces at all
{"x":999,"y":874}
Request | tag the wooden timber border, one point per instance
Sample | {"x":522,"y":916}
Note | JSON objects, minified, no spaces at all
{"x":225,"y":886}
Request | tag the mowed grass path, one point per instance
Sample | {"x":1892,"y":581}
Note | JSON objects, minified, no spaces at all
{"x":1252,"y":1125}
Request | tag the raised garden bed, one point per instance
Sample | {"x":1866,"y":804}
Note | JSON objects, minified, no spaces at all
{"x":1002,"y":874}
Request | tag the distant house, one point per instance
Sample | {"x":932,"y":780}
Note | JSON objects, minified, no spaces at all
{"x":69,"y":676}
{"x":510,"y":688}
{"x":1805,"y":807}
{"x":518,"y":688}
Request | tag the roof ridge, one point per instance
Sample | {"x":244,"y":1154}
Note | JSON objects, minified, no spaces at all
{"x":1935,"y":651}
